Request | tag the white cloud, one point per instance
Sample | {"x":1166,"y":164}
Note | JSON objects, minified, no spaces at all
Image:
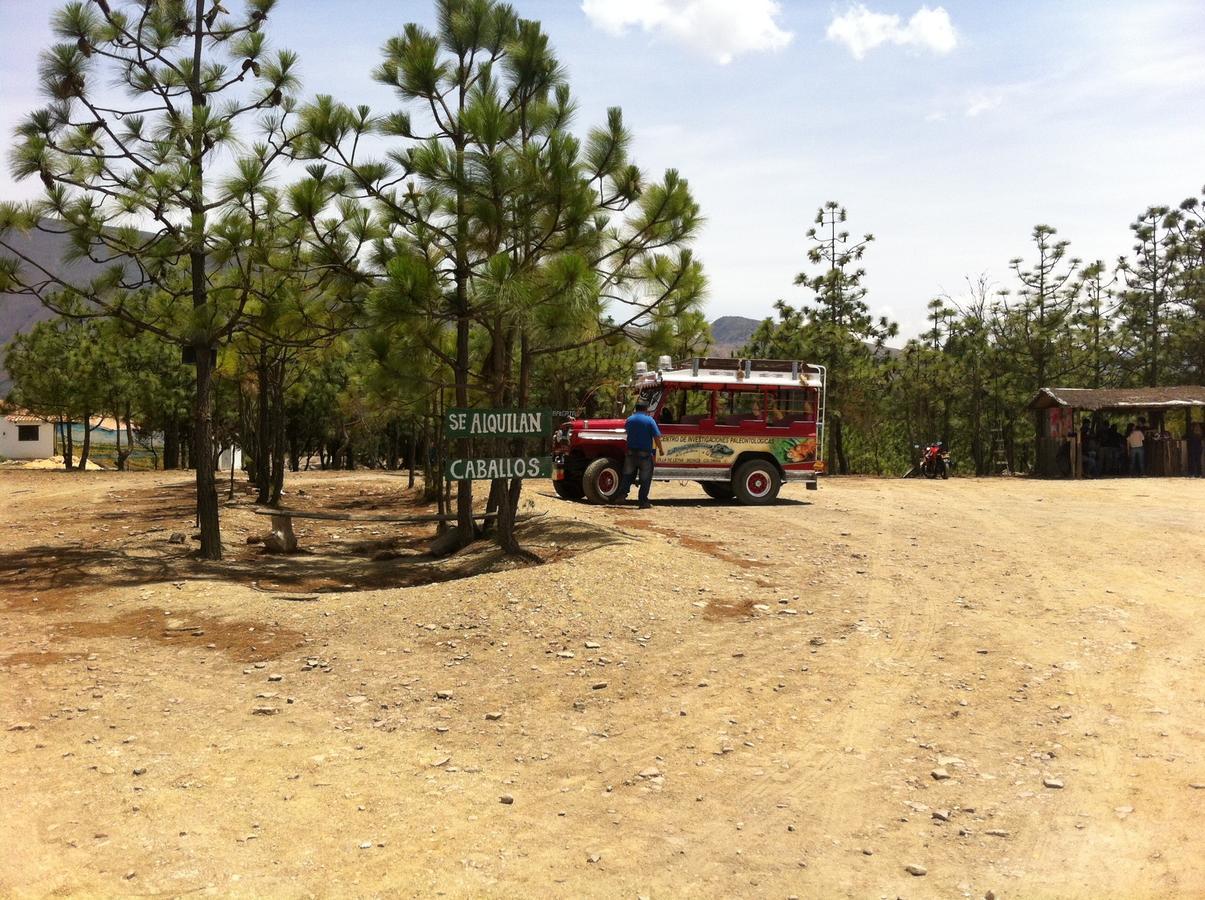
{"x":983,"y":101}
{"x":719,"y":29}
{"x":861,"y":30}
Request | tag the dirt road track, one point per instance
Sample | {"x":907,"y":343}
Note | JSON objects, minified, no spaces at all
{"x":701,"y":700}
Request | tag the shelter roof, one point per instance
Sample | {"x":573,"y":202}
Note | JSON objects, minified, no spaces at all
{"x":19,"y":416}
{"x":1094,"y":399}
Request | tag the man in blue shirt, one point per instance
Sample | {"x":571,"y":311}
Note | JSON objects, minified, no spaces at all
{"x":643,"y":436}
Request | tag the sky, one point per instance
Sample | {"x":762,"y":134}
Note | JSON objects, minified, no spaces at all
{"x":947,"y":131}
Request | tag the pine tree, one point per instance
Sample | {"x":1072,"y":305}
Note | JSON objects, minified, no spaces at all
{"x":132,"y":181}
{"x":1147,"y":298}
{"x":841,"y":332}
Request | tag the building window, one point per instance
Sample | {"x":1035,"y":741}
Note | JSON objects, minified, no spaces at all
{"x":27,"y":432}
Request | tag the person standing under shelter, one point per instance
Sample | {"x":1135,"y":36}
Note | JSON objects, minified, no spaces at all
{"x":643,"y":436}
{"x":1134,"y":441}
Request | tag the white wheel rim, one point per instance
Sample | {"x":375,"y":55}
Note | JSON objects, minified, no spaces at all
{"x":608,"y":482}
{"x":757,"y":484}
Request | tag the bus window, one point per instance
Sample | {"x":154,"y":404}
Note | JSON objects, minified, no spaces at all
{"x":735,"y":407}
{"x":790,"y":406}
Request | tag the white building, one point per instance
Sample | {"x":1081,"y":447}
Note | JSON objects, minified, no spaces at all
{"x":225,"y":461}
{"x":25,"y":437}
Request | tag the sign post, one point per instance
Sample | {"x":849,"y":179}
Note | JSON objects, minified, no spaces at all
{"x":498,"y":423}
{"x":505,"y":467}
{"x":463,"y":423}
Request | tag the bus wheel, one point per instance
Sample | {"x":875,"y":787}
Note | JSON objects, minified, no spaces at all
{"x":756,"y":483}
{"x":569,"y":488}
{"x":601,"y":480}
{"x":717,"y":490}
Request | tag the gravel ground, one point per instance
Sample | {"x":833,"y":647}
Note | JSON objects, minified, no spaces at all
{"x":883,"y":688}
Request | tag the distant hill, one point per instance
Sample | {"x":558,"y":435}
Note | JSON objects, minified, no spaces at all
{"x":19,"y":312}
{"x":730,"y":333}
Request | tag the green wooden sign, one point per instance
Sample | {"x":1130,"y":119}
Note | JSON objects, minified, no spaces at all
{"x":508,"y":467}
{"x":463,"y":423}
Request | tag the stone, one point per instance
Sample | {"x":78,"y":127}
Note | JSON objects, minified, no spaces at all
{"x":914,"y":869}
{"x":591,"y":645}
{"x":592,"y":857}
{"x":942,"y":815}
{"x":440,"y":761}
{"x":997,"y":832}
{"x":21,"y":726}
{"x":443,"y":695}
{"x":493,"y":716}
{"x":565,"y":654}
{"x":264,"y":710}
{"x":1123,"y":811}
{"x":177,"y":537}
{"x":366,"y":845}
{"x":506,"y":799}
{"x":940,"y":774}
{"x":598,"y":685}
{"x":650,"y":772}
{"x":275,"y":677}
{"x":866,"y":851}
{"x":817,"y":642}
{"x":141,"y":770}
{"x":1052,"y":782}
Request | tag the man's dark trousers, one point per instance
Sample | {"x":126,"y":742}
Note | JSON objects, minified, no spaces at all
{"x":636,"y":462}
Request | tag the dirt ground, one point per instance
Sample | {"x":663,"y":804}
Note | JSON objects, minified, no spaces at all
{"x":998,"y":681}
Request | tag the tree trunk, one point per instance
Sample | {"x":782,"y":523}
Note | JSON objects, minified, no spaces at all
{"x":69,"y":446}
{"x":120,"y":460}
{"x":263,"y":431}
{"x":129,"y":435}
{"x":83,"y":454}
{"x":207,"y":492}
{"x":171,"y":446}
{"x":464,"y":487}
{"x":838,"y":445}
{"x":509,"y":505}
{"x":391,"y":446}
{"x":277,"y":466}
{"x":413,"y":450}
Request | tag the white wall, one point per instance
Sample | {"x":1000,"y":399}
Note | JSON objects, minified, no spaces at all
{"x":11,"y":448}
{"x":224,"y":459}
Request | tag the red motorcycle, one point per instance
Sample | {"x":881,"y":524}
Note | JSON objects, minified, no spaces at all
{"x":934,"y":461}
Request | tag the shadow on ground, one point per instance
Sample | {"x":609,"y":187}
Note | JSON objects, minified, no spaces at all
{"x":130,"y":547}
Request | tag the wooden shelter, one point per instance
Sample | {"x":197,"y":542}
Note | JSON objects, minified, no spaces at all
{"x":1168,"y":412}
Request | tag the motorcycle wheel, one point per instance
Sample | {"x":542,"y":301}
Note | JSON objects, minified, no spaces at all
{"x":929,"y":470}
{"x":945,"y":470}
